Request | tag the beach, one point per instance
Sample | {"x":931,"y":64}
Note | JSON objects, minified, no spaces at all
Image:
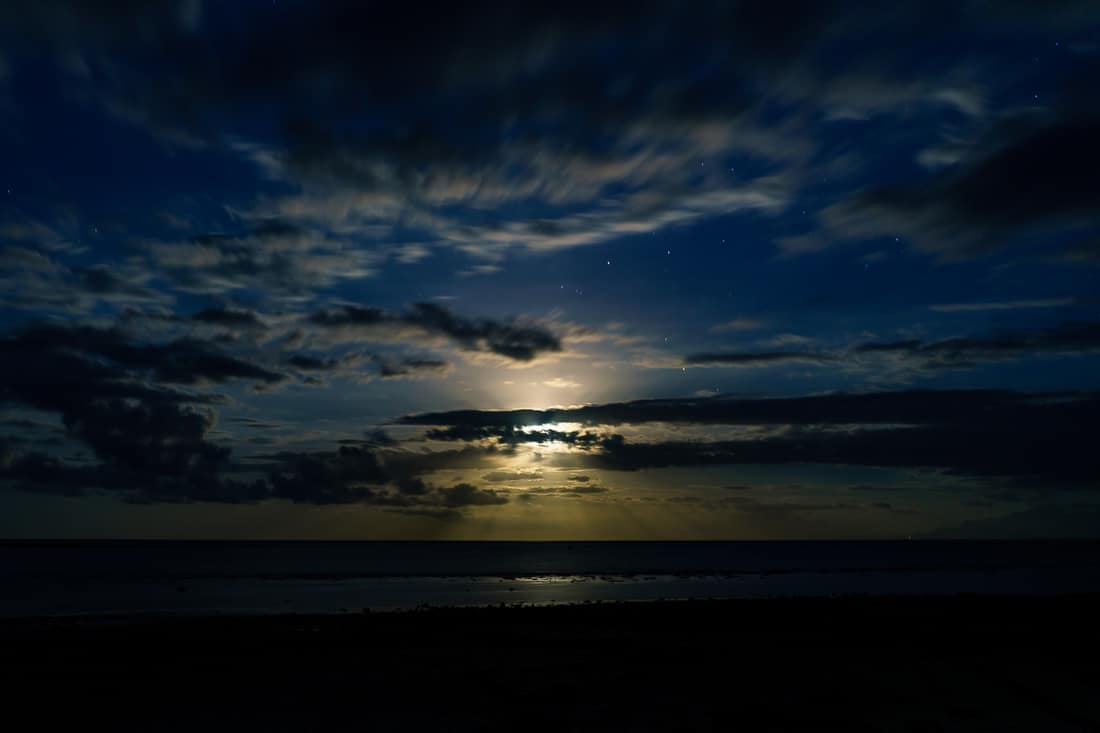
{"x":869,"y":663}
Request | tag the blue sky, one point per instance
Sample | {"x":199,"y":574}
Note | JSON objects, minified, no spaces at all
{"x":240,"y":246}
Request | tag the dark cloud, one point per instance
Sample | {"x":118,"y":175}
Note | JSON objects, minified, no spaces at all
{"x":160,"y":451}
{"x":151,"y":440}
{"x":148,"y":452}
{"x":753,"y":359}
{"x":1030,"y":174}
{"x":599,"y":148}
{"x":273,"y":256}
{"x":361,"y":366}
{"x":312,"y":363}
{"x":350,"y":474}
{"x":54,"y":368}
{"x":156,"y":454}
{"x":364,"y":475}
{"x":34,"y":278}
{"x":461,"y":495}
{"x":910,"y":407}
{"x":122,"y":361}
{"x":1065,"y":338}
{"x":515,"y":341}
{"x":195,"y":362}
{"x":25,"y":424}
{"x":916,"y":355}
{"x":351,"y":316}
{"x":377,"y":134}
{"x":229,"y":317}
{"x":557,"y":142}
{"x":1050,"y":454}
{"x":251,"y":422}
{"x":102,"y":281}
{"x":44,"y":473}
{"x":389,"y":368}
{"x":114,"y":396}
{"x":1028,"y":437}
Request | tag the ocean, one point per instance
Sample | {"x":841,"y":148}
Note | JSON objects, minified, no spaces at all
{"x":196,"y":578}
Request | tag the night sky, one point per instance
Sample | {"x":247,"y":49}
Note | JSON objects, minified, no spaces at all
{"x":646,"y":270}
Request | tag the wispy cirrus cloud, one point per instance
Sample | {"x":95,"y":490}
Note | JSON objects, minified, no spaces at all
{"x":600,"y":152}
{"x":274,"y":257}
{"x":1002,"y":305}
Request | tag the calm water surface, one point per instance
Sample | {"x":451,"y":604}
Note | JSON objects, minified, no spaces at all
{"x":332,"y":577}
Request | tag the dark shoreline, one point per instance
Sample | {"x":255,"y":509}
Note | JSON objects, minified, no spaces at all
{"x":855,"y":663}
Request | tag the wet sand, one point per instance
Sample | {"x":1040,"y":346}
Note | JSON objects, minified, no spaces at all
{"x":909,"y":664}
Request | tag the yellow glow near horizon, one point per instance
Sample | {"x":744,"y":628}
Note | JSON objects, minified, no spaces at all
{"x":537,"y":388}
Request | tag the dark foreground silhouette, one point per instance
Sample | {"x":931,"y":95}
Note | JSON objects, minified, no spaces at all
{"x":959,"y":663}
